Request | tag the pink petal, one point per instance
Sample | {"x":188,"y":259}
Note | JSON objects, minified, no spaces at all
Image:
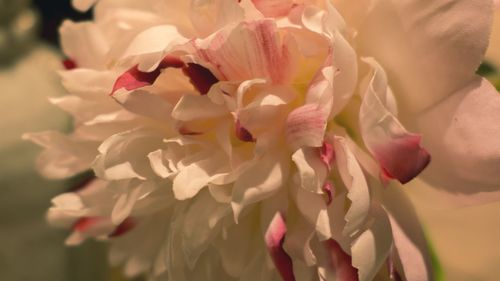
{"x":248,"y":51}
{"x":273,"y":8}
{"x":327,"y":154}
{"x":134,"y":78}
{"x":341,"y":262}
{"x":462,"y":133}
{"x":402,"y":158}
{"x":274,"y":237}
{"x":398,"y":151}
{"x":306,"y":126}
{"x":329,"y":190}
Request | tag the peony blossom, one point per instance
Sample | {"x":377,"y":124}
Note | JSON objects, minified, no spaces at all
{"x":235,"y":140}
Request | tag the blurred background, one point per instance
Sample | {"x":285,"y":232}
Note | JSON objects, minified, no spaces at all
{"x":466,"y":240}
{"x":30,"y":250}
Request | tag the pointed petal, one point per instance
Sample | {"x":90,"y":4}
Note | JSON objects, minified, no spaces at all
{"x":134,"y":78}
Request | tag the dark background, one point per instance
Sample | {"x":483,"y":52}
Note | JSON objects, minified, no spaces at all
{"x":52,"y":13}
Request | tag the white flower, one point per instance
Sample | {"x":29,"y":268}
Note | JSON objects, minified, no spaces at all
{"x":267,"y":137}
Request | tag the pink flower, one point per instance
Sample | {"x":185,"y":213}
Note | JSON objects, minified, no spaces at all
{"x":237,"y":135}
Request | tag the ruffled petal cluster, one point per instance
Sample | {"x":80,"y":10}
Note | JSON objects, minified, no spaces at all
{"x":269,"y":140}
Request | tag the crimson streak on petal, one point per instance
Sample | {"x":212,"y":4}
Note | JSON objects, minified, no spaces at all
{"x":341,"y":262}
{"x":200,"y":77}
{"x":274,"y":237}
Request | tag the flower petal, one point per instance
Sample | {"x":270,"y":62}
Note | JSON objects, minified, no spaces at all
{"x":274,"y":237}
{"x":248,"y":51}
{"x":134,"y":78}
{"x":437,"y":45}
{"x":305,"y":126}
{"x":273,"y":8}
{"x":84,"y":43}
{"x":462,"y":133}
{"x":83,"y":5}
{"x":398,"y":152}
{"x":372,"y":247}
{"x":259,"y":181}
{"x":340,"y":262}
{"x":357,"y":187}
{"x":409,"y":238}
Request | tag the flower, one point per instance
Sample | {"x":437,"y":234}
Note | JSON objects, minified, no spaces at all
{"x":235,"y":138}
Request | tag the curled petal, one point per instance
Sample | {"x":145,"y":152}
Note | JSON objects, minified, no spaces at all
{"x":134,"y":78}
{"x":201,"y":77}
{"x":399,"y":152}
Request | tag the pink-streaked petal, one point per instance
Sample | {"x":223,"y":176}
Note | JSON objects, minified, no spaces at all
{"x":274,"y":238}
{"x":305,"y":127}
{"x":250,"y":50}
{"x":273,"y":8}
{"x":201,"y":77}
{"x":327,"y":154}
{"x":462,"y":133}
{"x":134,"y":78}
{"x":398,"y":152}
{"x":340,"y":262}
{"x":329,"y":190}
